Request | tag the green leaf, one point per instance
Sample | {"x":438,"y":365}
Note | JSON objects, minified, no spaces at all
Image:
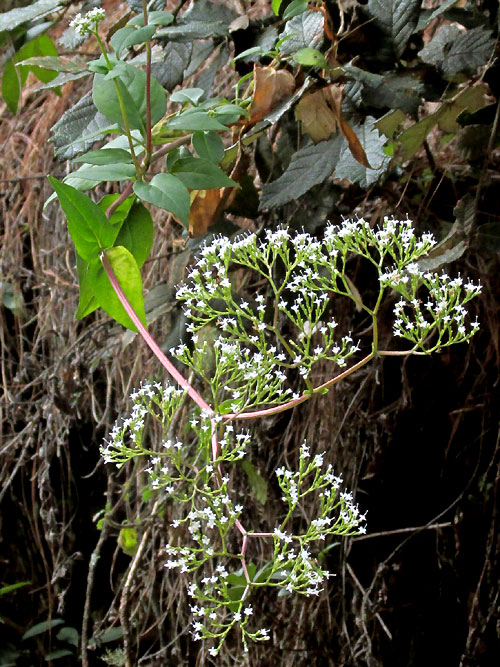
{"x":194,"y":119}
{"x":132,"y":85}
{"x":87,"y":303}
{"x":166,"y":192}
{"x":58,"y":653}
{"x":127,"y":540}
{"x":128,"y":275}
{"x":121,"y":212}
{"x":154,"y":18}
{"x":13,"y":587}
{"x":373,"y":143}
{"x":126,"y":37}
{"x":200,"y":174}
{"x":310,"y":58}
{"x":42,"y":627}
{"x":257,"y":483}
{"x":455,"y":51}
{"x":57,"y":64}
{"x":396,"y":19}
{"x":192,"y":95}
{"x":106,"y":172}
{"x":208,"y":145}
{"x":35,"y":10}
{"x":111,"y":635}
{"x":89,"y":228}
{"x":11,"y":85}
{"x":295,"y":8}
{"x":308,"y":167}
{"x":276,"y":4}
{"x":303,"y":31}
{"x":106,"y":156}
{"x":136,"y":233}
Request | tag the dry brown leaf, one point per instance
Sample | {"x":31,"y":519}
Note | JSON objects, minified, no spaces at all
{"x":270,"y":88}
{"x":317,"y":118}
{"x":333,"y":95}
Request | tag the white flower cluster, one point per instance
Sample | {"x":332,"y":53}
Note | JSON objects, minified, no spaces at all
{"x":84,"y":25}
{"x":126,"y":438}
{"x":432,"y":312}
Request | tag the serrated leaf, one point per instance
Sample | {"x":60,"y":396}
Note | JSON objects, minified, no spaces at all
{"x":136,"y":233}
{"x":303,"y":31}
{"x":42,"y":627}
{"x":397,"y":20}
{"x":106,"y":156}
{"x":106,"y":172}
{"x":200,"y":174}
{"x":308,"y":167}
{"x":208,"y":145}
{"x":454,"y":51}
{"x":204,"y":19}
{"x":129,"y":277}
{"x":89,"y":228}
{"x":169,"y":71}
{"x":166,"y":192}
{"x":78,"y":128}
{"x":373,"y":144}
{"x":18,"y":16}
{"x":57,"y":64}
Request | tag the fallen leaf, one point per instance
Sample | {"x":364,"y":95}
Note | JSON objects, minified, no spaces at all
{"x":333,"y":95}
{"x":317,"y":118}
{"x":270,"y":88}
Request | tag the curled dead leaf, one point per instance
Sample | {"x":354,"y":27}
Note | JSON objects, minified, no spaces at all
{"x":270,"y":88}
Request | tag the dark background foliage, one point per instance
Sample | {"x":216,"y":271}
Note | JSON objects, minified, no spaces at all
{"x":416,"y":438}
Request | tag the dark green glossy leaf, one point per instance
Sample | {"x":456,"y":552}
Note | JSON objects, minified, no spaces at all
{"x":11,"y":85}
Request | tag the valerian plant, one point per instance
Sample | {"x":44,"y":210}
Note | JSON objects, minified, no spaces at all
{"x":263,"y":351}
{"x":246,"y":371}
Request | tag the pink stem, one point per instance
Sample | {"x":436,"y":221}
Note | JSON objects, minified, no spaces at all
{"x":301,"y":399}
{"x":150,"y":341}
